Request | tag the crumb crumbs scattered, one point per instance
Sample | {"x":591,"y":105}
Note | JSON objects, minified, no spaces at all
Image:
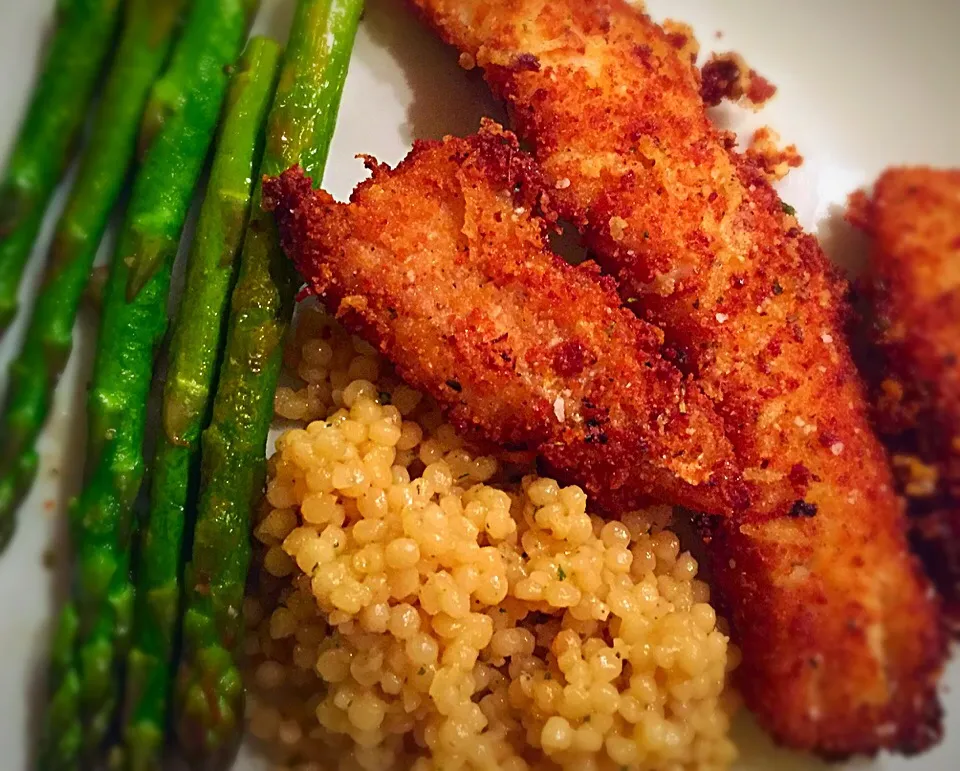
{"x":728,"y":76}
{"x":49,"y":504}
{"x":773,"y":160}
{"x":919,"y":479}
{"x":467,"y":61}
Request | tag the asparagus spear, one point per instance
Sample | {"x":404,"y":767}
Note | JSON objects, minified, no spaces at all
{"x":84,"y":33}
{"x":197,"y":336}
{"x":148,"y":34}
{"x":209,"y":699}
{"x":130,"y":330}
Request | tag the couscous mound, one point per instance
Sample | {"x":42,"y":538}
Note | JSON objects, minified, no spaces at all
{"x":421,"y":607}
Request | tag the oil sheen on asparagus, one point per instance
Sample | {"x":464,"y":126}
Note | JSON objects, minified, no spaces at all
{"x":148,"y":33}
{"x":101,"y":608}
{"x":196,"y":344}
{"x":85,"y":30}
{"x":209,"y":700}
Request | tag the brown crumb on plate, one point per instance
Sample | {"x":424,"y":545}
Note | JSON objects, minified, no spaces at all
{"x":773,"y":160}
{"x":728,"y":76}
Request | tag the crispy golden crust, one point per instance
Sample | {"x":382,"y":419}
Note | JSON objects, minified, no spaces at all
{"x":913,"y":283}
{"x":842,"y":646}
{"x":441,"y":264}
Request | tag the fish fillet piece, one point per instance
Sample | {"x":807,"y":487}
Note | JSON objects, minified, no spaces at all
{"x":913,"y":285}
{"x":441,"y":264}
{"x":839,"y":629}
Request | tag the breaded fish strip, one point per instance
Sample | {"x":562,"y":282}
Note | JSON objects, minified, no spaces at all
{"x":442,"y":266}
{"x":914,"y":287}
{"x":840,"y":634}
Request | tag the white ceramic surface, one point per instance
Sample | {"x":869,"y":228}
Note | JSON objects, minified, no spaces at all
{"x":862,"y":84}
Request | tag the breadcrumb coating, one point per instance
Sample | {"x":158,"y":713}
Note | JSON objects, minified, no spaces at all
{"x":838,"y":626}
{"x":441,"y":264}
{"x":913,"y":285}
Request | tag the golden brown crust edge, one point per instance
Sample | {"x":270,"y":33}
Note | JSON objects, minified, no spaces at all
{"x":441,"y":265}
{"x":913,"y":287}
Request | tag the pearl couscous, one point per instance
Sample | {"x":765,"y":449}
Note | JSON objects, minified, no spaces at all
{"x":420,"y":607}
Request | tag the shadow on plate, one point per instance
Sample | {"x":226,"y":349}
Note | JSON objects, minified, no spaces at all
{"x":757,"y":751}
{"x":844,"y":244}
{"x":446,"y":100}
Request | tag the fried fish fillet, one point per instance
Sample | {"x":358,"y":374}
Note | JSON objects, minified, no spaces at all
{"x":839,"y":629}
{"x":441,"y":264}
{"x":913,"y":284}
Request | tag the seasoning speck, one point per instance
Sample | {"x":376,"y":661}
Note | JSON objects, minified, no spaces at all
{"x":801,"y":508}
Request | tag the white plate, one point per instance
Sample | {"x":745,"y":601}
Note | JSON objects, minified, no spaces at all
{"x":862,"y":84}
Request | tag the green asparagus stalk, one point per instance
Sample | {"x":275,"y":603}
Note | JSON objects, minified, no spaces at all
{"x":197,"y":337}
{"x":81,"y":43}
{"x":149,"y":31}
{"x":131,"y":328}
{"x":209,"y":699}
